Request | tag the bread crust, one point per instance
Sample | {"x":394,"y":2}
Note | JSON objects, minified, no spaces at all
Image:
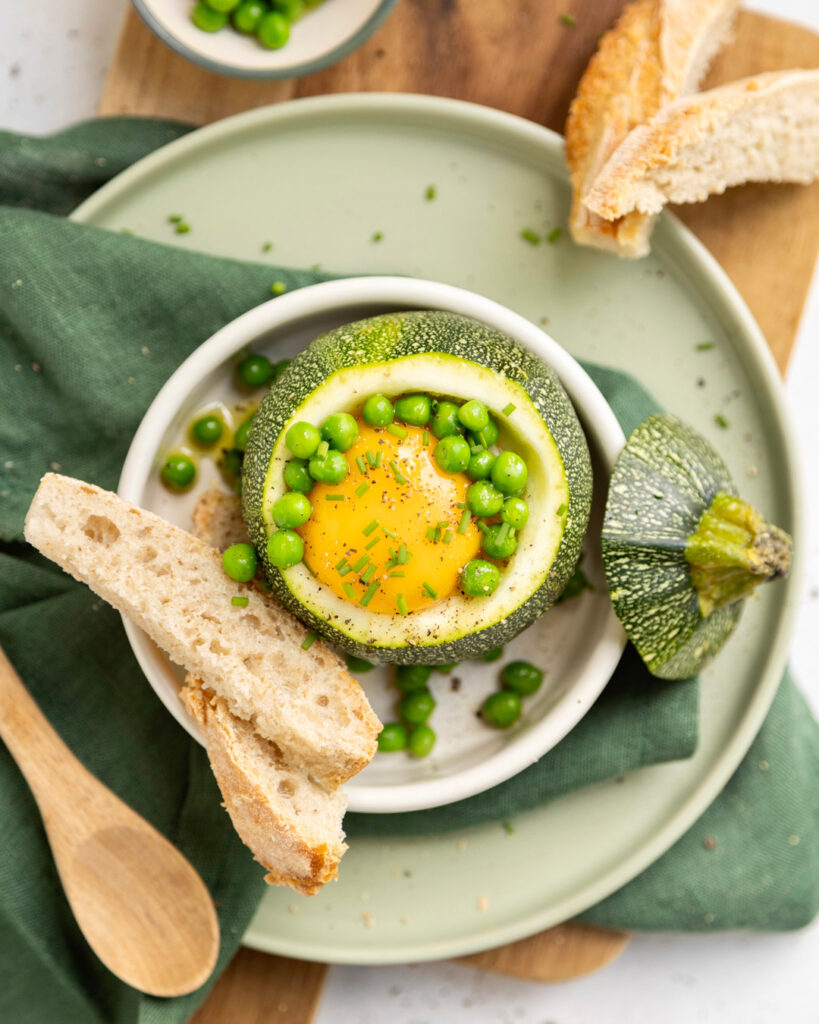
{"x":670,"y":159}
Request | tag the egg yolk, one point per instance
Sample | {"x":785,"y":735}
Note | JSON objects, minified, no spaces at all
{"x":389,"y":536}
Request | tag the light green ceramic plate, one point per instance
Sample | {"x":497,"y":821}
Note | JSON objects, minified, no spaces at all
{"x":319,"y":178}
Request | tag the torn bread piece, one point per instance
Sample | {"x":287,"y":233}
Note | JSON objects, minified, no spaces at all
{"x":291,"y":825}
{"x":174,"y":587}
{"x":763,"y":128}
{"x":657,"y":51}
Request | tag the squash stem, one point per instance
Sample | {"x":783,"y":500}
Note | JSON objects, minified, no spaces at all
{"x":732,"y":551}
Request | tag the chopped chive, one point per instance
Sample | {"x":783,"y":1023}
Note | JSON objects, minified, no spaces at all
{"x":568,"y":19}
{"x":267,"y":247}
{"x":460,"y":504}
{"x":399,"y":476}
{"x":349,"y":590}
{"x":369,"y":572}
{"x":308,"y":641}
{"x":554,"y":235}
{"x":476,"y":448}
{"x":705,"y":346}
{"x":503,"y":533}
{"x":368,"y":529}
{"x":433,"y":593}
{"x":359,"y":565}
{"x":373,"y":542}
{"x":397,"y":430}
{"x":309,"y":568}
{"x":322,"y":449}
{"x":362,"y":489}
{"x":426,"y":438}
{"x":371,"y":459}
{"x":532,"y":237}
{"x":436,"y":534}
{"x":482,"y":439}
{"x":401,"y":605}
{"x":465,"y":517}
{"x":430,"y":192}
{"x":448,"y":537}
{"x":507,"y":410}
{"x":721,"y":421}
{"x":182,"y":228}
{"x":482,"y":526}
{"x":378,"y":236}
{"x":340,"y":565}
{"x":398,"y":572}
{"x":389,"y":533}
{"x":175,"y":218}
{"x":560,"y":510}
{"x":239,"y":602}
{"x":334,"y":497}
{"x":343,"y":567}
{"x":378,"y":456}
{"x":278,"y":287}
{"x":403,"y":555}
{"x":362,"y":465}
{"x":369,"y":593}
{"x":430,"y":533}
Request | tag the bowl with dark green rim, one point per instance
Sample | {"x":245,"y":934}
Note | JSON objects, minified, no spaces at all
{"x":322,"y":36}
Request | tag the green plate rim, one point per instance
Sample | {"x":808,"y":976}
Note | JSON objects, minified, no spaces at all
{"x":690,"y":259}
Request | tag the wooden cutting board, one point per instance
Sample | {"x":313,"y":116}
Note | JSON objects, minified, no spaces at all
{"x":521,"y":58}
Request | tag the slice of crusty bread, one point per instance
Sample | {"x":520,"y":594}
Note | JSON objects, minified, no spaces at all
{"x":217,"y":520}
{"x":658,"y":50}
{"x":291,"y":824}
{"x":173,"y":586}
{"x":763,"y":128}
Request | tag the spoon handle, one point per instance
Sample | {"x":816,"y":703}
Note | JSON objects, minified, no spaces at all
{"x":49,"y":767}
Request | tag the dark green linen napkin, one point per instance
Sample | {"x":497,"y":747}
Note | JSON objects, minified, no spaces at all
{"x":91,"y":324}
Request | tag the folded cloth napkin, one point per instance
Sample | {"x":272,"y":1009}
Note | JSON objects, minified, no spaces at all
{"x":91,"y":324}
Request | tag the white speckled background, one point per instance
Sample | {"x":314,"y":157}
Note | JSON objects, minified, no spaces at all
{"x":53,"y":59}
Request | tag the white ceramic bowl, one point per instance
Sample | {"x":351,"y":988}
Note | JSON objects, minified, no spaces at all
{"x":578,"y":643}
{"x":319,"y":39}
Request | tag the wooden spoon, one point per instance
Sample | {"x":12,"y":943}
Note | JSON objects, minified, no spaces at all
{"x":142,"y":907}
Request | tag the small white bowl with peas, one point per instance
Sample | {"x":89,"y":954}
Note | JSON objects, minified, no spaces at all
{"x":263,"y":38}
{"x":556,"y":668}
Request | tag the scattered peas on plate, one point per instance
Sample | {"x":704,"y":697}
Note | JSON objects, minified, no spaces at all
{"x":269,"y":21}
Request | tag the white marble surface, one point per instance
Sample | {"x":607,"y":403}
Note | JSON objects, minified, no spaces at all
{"x":53,"y":59}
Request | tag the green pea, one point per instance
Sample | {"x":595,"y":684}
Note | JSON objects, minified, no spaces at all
{"x":254,"y":371}
{"x":332,"y":469}
{"x":493,"y":655}
{"x":490,"y":432}
{"x":273,"y":30}
{"x":473,"y":415}
{"x":445,"y":420}
{"x":303,"y":439}
{"x":497,"y":545}
{"x":355,"y":664}
{"x":247,"y":16}
{"x":414,"y":409}
{"x":416,"y":707}
{"x":242,"y":432}
{"x":452,"y":454}
{"x":340,"y":430}
{"x":291,"y":9}
{"x":239,"y":562}
{"x":208,"y":20}
{"x":297,"y":476}
{"x":178,"y":471}
{"x":392,"y":737}
{"x":479,"y":578}
{"x":291,"y":510}
{"x":484,"y":499}
{"x":231,"y":464}
{"x":509,"y":472}
{"x":207,"y":430}
{"x":501,"y":710}
{"x":222,"y":6}
{"x":409,"y":678}
{"x":480,"y":465}
{"x":378,"y":411}
{"x":285,"y":548}
{"x":421,"y":741}
{"x":280,"y":367}
{"x":521,"y":677}
{"x":515,"y":511}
